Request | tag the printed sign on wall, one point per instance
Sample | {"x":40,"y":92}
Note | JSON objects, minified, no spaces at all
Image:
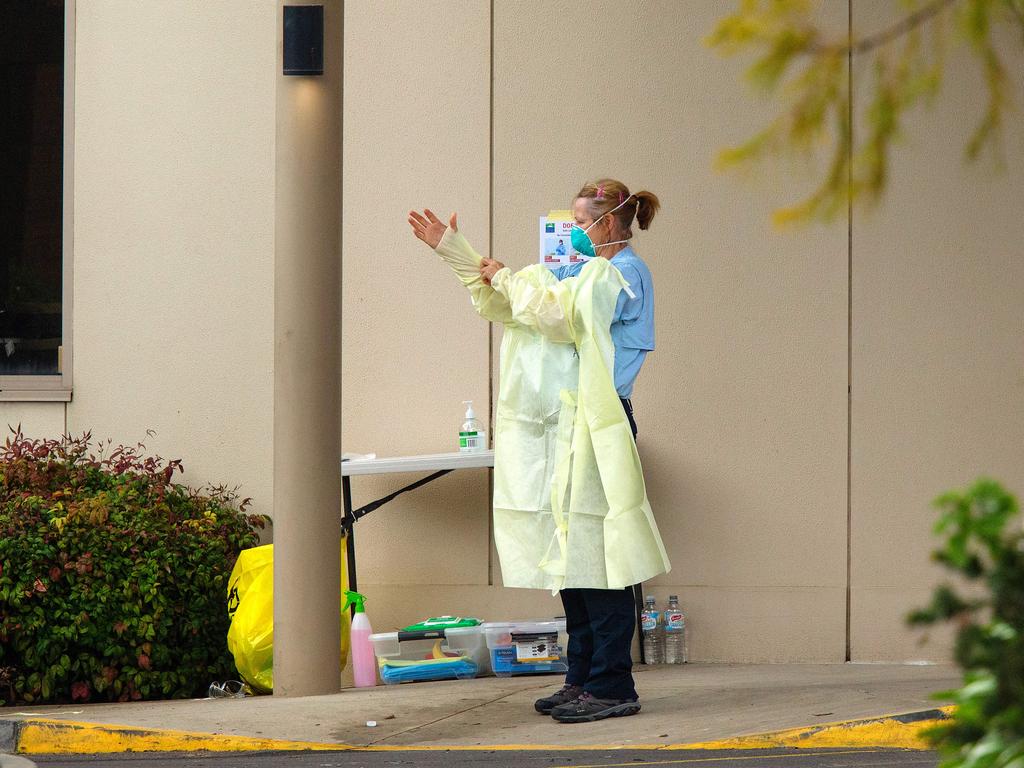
{"x":556,"y":240}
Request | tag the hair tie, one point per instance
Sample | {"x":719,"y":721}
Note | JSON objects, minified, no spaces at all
{"x":600,"y":192}
{"x":620,"y":198}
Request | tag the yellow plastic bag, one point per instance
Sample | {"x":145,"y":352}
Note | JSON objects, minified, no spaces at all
{"x":251,"y":610}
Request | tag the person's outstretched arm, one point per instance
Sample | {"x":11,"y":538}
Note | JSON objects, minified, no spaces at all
{"x":456,"y":251}
{"x":536,"y":299}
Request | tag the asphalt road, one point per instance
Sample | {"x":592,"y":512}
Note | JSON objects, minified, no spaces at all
{"x":773,"y":758}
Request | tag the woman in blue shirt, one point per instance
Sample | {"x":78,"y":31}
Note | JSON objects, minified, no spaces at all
{"x":601,"y":622}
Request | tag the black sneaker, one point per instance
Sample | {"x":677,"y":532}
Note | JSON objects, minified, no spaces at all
{"x":564,"y":696}
{"x":587,"y":709}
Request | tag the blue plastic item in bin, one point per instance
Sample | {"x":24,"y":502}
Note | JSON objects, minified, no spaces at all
{"x":460,"y":669}
{"x":456,"y":653}
{"x":503,"y":662}
{"x":527,"y":647}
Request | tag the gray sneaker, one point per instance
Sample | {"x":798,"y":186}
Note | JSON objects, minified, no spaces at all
{"x":564,"y":696}
{"x":587,"y":709}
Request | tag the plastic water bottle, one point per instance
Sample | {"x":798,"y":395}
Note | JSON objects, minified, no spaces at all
{"x":653,"y":636}
{"x":675,"y":632}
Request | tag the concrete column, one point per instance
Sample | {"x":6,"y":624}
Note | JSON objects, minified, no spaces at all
{"x":307,"y":372}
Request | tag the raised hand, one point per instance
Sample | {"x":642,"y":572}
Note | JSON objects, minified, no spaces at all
{"x":430,"y":229}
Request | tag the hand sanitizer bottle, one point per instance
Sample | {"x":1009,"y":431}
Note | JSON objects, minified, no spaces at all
{"x":471,"y":436}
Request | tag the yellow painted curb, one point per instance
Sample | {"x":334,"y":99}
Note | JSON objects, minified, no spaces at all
{"x":890,"y":731}
{"x":887,"y":732}
{"x":62,"y":737}
{"x":41,"y":736}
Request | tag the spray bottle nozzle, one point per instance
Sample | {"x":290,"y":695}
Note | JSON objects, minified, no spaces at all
{"x":356,"y":599}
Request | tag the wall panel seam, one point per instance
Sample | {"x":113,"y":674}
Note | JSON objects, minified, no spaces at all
{"x":849,"y":329}
{"x":490,"y":326}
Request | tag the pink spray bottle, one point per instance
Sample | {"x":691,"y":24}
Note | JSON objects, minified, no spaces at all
{"x":364,"y":663}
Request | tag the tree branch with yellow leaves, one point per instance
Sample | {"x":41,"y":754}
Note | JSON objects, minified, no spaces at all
{"x":810,"y":74}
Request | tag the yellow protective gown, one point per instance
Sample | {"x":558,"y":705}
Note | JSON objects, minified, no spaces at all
{"x":570,"y":506}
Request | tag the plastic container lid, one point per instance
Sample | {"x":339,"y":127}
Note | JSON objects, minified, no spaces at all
{"x":442,"y":622}
{"x":499,"y":633}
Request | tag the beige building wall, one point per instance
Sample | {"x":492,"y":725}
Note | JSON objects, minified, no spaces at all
{"x":938,"y":346}
{"x":743,"y":408}
{"x":173,"y":164}
{"x":745,"y":451}
{"x":36,"y":420}
{"x":416,"y":135}
{"x":174,"y":233}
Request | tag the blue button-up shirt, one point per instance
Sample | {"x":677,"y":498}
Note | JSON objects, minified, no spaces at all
{"x":633,"y":322}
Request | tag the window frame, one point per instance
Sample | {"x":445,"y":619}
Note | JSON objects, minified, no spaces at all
{"x":57,"y":387}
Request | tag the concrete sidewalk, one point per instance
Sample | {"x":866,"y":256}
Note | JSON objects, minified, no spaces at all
{"x":744,"y":706}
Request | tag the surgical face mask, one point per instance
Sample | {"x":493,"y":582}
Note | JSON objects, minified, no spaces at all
{"x":581,"y":240}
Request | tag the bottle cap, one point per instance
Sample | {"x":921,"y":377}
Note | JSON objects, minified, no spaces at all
{"x":356,"y":599}
{"x":673,"y":598}
{"x":469,"y":409}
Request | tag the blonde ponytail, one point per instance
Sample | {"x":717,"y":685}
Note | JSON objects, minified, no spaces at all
{"x":647,"y":205}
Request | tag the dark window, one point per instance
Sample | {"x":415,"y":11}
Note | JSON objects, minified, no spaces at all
{"x":31,"y":185}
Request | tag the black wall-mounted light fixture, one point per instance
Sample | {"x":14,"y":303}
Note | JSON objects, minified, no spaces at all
{"x":303,"y":39}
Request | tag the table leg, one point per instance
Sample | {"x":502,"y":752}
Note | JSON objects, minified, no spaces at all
{"x":350,"y":516}
{"x":349,"y":530}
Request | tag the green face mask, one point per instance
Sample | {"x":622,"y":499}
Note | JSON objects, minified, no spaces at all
{"x":581,"y":240}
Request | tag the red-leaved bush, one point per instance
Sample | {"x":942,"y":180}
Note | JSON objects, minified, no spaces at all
{"x":112,"y":576}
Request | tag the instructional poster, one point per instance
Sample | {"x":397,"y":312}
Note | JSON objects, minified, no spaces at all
{"x":556,"y":240}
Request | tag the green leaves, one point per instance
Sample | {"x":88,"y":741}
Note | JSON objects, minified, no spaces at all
{"x":974,"y":522}
{"x":946,"y":604}
{"x":983,"y":542}
{"x":102,"y":606}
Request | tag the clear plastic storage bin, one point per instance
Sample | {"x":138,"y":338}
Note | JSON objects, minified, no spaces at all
{"x":445,"y":654}
{"x":527,"y":647}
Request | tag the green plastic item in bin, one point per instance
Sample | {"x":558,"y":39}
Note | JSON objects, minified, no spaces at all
{"x":442,"y":622}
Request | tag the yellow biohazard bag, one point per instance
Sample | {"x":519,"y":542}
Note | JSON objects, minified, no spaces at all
{"x":251,"y":610}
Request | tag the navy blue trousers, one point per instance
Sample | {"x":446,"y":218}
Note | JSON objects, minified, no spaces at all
{"x":600,"y":624}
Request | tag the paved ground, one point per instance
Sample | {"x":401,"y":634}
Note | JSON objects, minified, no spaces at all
{"x":687,"y":704}
{"x":790,"y":758}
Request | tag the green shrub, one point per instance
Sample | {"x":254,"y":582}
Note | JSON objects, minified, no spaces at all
{"x":112,"y":577}
{"x":984,"y":543}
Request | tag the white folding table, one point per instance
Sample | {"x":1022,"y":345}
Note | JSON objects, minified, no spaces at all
{"x":439,"y":464}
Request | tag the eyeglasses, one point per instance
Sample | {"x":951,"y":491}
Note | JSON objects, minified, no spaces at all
{"x":230,"y":689}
